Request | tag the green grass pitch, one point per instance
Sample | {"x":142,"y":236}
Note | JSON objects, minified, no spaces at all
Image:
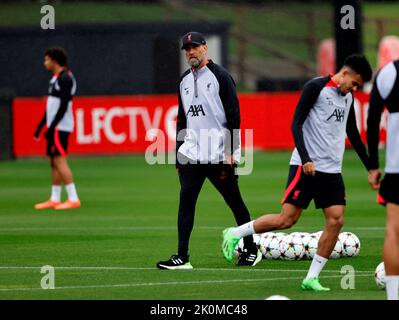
{"x":109,"y":247}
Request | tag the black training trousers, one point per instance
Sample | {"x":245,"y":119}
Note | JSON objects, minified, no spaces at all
{"x":192,"y":177}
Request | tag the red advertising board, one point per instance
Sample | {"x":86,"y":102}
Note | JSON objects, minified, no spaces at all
{"x":129,"y":124}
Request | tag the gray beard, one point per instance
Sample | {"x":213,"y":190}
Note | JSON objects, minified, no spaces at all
{"x":194,"y":63}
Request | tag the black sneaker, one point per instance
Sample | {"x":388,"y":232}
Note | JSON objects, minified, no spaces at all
{"x":250,"y":256}
{"x":175,"y":262}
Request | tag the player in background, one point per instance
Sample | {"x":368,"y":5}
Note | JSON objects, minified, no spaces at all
{"x":324,"y":114}
{"x":60,"y":123}
{"x":385,"y":93}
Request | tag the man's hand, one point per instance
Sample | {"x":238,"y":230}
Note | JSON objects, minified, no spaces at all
{"x":309,"y":169}
{"x":230,"y":159}
{"x":374,"y":178}
{"x":49,"y":134}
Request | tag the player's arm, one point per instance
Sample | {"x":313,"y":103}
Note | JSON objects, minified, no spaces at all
{"x":308,"y":97}
{"x":181,"y":124}
{"x":354,"y":138}
{"x":65,"y":84}
{"x":376,"y":106}
{"x":40,"y":126}
{"x":228,"y":96}
{"x":373,"y":125}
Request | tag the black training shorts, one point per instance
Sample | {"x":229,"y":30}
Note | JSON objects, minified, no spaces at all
{"x":389,"y":189}
{"x":326,"y":189}
{"x":57,"y":145}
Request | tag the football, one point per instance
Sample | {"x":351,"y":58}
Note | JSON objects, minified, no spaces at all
{"x":350,"y":244}
{"x":280,"y":234}
{"x":337,"y":251}
{"x":379,"y":276}
{"x":238,"y":249}
{"x":301,"y":235}
{"x":266,"y":234}
{"x":257,"y":238}
{"x":277,"y":297}
{"x":296,"y":234}
{"x":291,"y":248}
{"x":240,"y":245}
{"x":270,"y":247}
{"x":304,"y":236}
{"x":310,"y":243}
{"x":318,"y":234}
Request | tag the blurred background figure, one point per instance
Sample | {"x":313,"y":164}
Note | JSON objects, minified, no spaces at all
{"x":60,"y":123}
{"x":385,"y":93}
